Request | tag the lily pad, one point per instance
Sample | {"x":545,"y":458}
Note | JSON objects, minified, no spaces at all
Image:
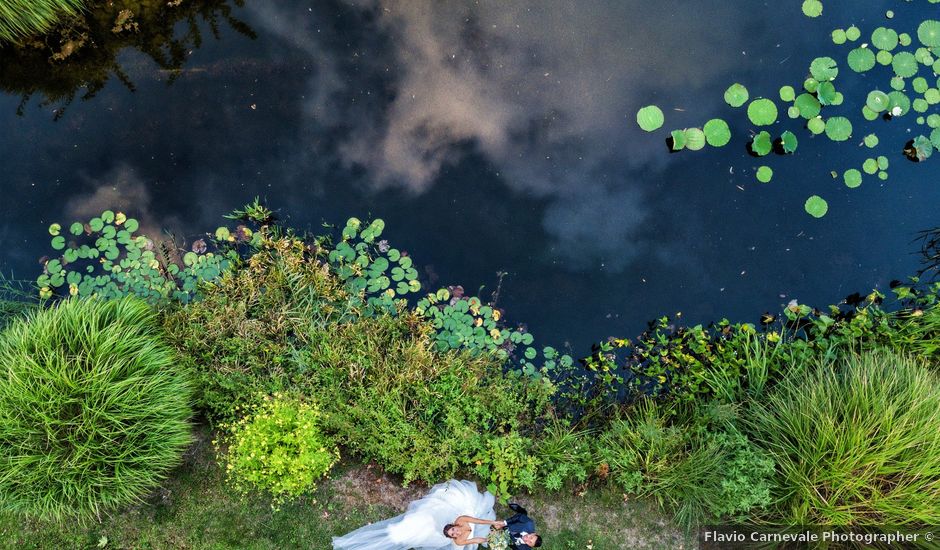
{"x":824,"y":69}
{"x":816,"y":206}
{"x":788,"y":142}
{"x":736,"y":95}
{"x":853,"y":33}
{"x":694,"y":139}
{"x":808,"y":105}
{"x":762,"y":145}
{"x":812,"y":8}
{"x":717,"y":133}
{"x":882,"y":162}
{"x":839,"y":37}
{"x":861,"y":60}
{"x":765,"y":174}
{"x":826,"y":93}
{"x":899,"y":104}
{"x":810,"y":84}
{"x":884,"y":38}
{"x":816,"y":125}
{"x":920,"y":105}
{"x":904,"y":39}
{"x":852,"y":178}
{"x":877,"y":101}
{"x":920,"y":84}
{"x":678,"y":140}
{"x":932,"y":96}
{"x":904,"y":64}
{"x":871,"y":141}
{"x":787,"y":93}
{"x":884,"y":57}
{"x":762,"y":112}
{"x":838,"y":128}
{"x":870,"y":166}
{"x":920,"y":149}
{"x":935,"y":138}
{"x":897,"y":83}
{"x":928,"y":32}
{"x":650,"y":118}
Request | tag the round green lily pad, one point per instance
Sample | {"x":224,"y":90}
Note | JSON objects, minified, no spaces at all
{"x":808,"y":105}
{"x":816,"y":206}
{"x":932,"y":96}
{"x":920,"y":84}
{"x":810,"y":84}
{"x":884,"y":38}
{"x":678,"y":140}
{"x":736,"y":95}
{"x":787,"y":93}
{"x":928,"y":32}
{"x":884,"y":57}
{"x":788,"y":142}
{"x":765,"y":174}
{"x":650,"y":118}
{"x":852,"y":178}
{"x":935,"y":138}
{"x":762,"y":112}
{"x":55,"y":229}
{"x":694,"y":139}
{"x":838,"y":37}
{"x":812,"y":8}
{"x":889,"y":14}
{"x":826,"y":93}
{"x":793,"y":111}
{"x":853,"y":33}
{"x":871,"y":141}
{"x":877,"y":101}
{"x":904,"y":39}
{"x":882,"y":176}
{"x":904,"y":64}
{"x":717,"y":133}
{"x":933,"y":121}
{"x":838,"y":128}
{"x":920,"y":105}
{"x":897,"y":83}
{"x":861,"y":60}
{"x":899,"y":104}
{"x":816,"y":125}
{"x":882,"y":162}
{"x":870,"y":166}
{"x":824,"y":69}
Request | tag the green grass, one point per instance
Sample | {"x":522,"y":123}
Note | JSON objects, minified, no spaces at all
{"x":855,"y":442}
{"x":195,"y":508}
{"x":92,"y":416}
{"x":21,"y":19}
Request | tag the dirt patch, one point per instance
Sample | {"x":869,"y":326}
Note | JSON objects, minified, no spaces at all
{"x":369,"y":485}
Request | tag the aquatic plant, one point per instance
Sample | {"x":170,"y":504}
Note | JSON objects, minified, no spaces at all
{"x":650,"y":118}
{"x":93,"y":413}
{"x":21,"y":19}
{"x":105,"y":257}
{"x":764,"y":174}
{"x":816,"y":206}
{"x":812,"y":8}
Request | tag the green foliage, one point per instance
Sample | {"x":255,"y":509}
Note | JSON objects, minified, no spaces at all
{"x":93,"y":413}
{"x":278,"y":448}
{"x":564,"y":454}
{"x":106,"y":258}
{"x":855,"y":441}
{"x":700,"y":475}
{"x":20,"y":19}
{"x":505,"y":464}
{"x":241,"y":337}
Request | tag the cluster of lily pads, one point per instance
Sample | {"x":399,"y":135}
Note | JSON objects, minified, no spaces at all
{"x":105,"y":257}
{"x":819,"y":91}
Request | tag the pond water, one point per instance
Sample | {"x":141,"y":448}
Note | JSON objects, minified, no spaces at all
{"x":495,"y":137}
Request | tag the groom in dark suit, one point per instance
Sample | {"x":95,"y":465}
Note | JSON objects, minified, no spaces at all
{"x":521,"y":528}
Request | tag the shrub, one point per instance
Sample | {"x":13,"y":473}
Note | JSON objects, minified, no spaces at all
{"x":92,"y":411}
{"x":856,"y":441}
{"x":505,"y":464}
{"x":278,"y":448}
{"x":564,"y":454}
{"x":701,"y":475}
{"x":21,"y":19}
{"x":239,"y":340}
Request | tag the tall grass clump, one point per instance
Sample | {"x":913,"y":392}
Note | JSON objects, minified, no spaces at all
{"x":21,"y":19}
{"x":92,"y":411}
{"x":856,"y":441}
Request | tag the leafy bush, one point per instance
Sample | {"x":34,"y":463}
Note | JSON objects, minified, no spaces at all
{"x":278,"y":448}
{"x":856,"y":441}
{"x":92,"y":411}
{"x":241,"y":337}
{"x":564,"y":454}
{"x":701,"y":475}
{"x":417,"y":412}
{"x":20,"y":19}
{"x":506,"y":464}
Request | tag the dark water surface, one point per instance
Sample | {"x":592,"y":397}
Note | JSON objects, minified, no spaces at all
{"x":499,"y":137}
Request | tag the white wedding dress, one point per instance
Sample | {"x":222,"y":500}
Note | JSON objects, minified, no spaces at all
{"x":421,"y":527}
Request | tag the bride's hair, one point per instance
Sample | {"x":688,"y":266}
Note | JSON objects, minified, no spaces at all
{"x":447,"y":528}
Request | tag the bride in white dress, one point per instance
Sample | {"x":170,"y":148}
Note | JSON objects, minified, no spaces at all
{"x":454,"y":506}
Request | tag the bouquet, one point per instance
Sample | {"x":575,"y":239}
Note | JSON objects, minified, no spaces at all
{"x":498,"y":539}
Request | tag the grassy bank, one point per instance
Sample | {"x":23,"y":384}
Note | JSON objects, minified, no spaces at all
{"x":196,"y":509}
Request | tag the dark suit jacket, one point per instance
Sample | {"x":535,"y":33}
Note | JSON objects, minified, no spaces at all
{"x":516,"y":525}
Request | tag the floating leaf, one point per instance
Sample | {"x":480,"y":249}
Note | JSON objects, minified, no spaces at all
{"x":788,"y":141}
{"x":871,"y":141}
{"x":694,"y":139}
{"x":920,"y":84}
{"x":812,"y":8}
{"x":897,"y":83}
{"x":793,"y":111}
{"x":58,"y":242}
{"x":839,"y":37}
{"x":870,"y":166}
{"x":650,"y":118}
{"x":824,"y":69}
{"x":920,"y":149}
{"x":838,"y":128}
{"x":678,"y":140}
{"x":764,"y":174}
{"x":932,"y":96}
{"x":884,"y":38}
{"x":884,"y":57}
{"x":928,"y":32}
{"x":736,"y":95}
{"x":904,"y":39}
{"x":920,"y":105}
{"x":762,"y":112}
{"x":904,"y":64}
{"x":762,"y":145}
{"x":717,"y":133}
{"x":882,"y":176}
{"x":935,"y":138}
{"x":816,"y":125}
{"x":810,"y":85}
{"x":861,"y":60}
{"x":853,"y":33}
{"x":808,"y":105}
{"x":816,"y":206}
{"x":899,"y":104}
{"x":55,"y":229}
{"x":877,"y":101}
{"x":826,"y":93}
{"x":852,"y":177}
{"x":787,"y":93}
{"x":882,"y":162}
